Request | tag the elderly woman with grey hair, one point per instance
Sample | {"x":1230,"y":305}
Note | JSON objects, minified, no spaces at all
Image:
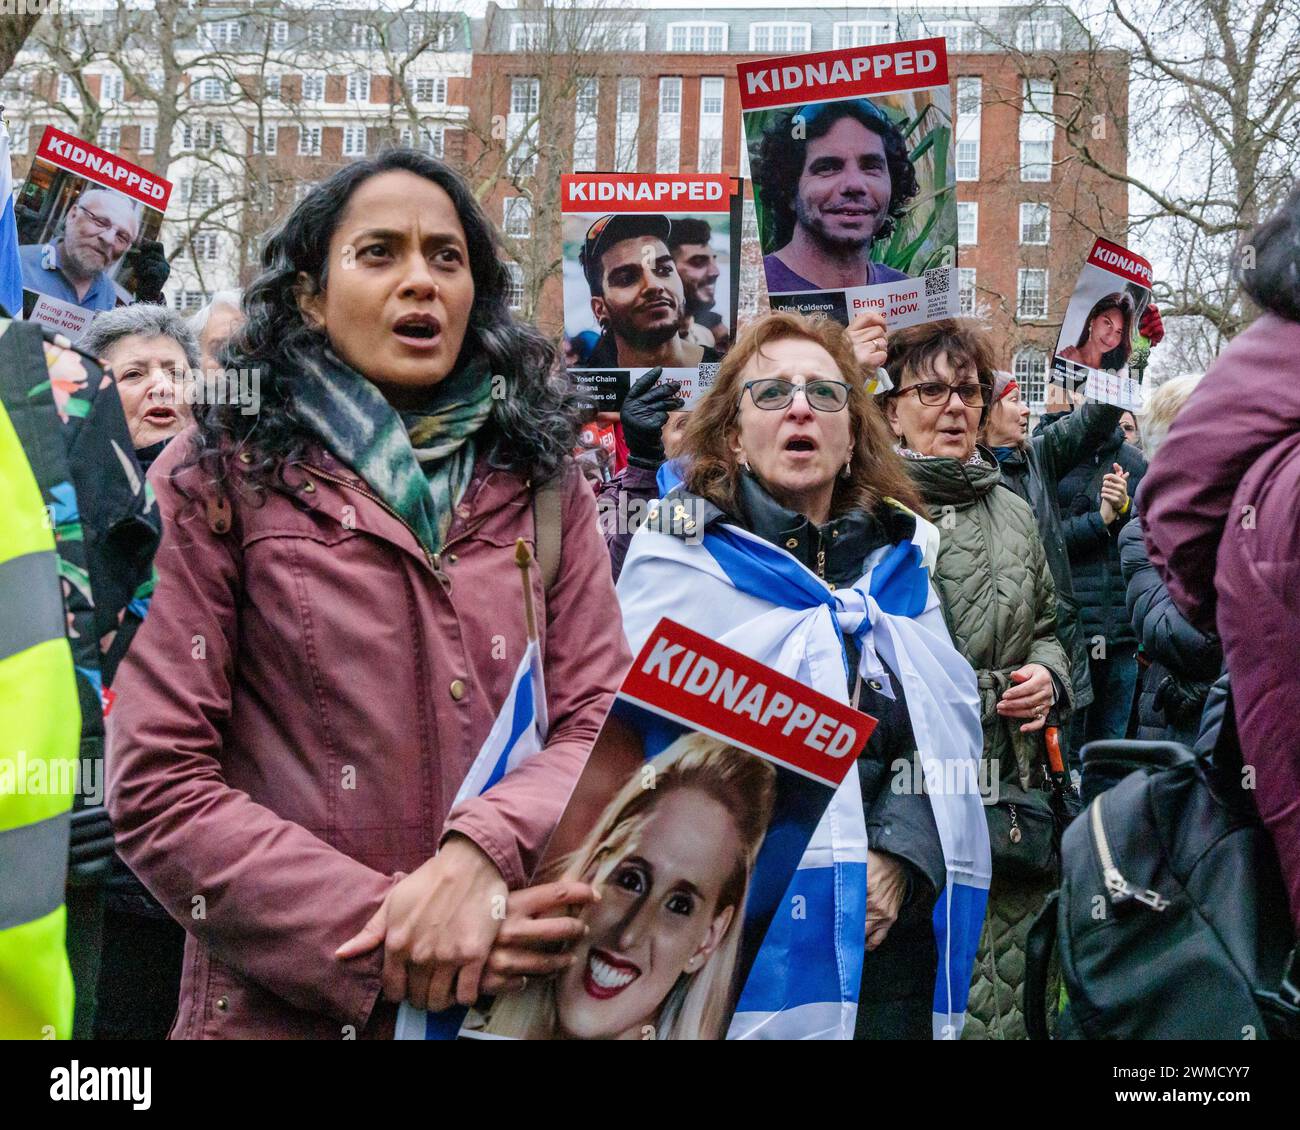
{"x":215,"y":323}
{"x":149,"y":350}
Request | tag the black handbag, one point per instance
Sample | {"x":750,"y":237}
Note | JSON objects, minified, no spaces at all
{"x":1022,"y":834}
{"x":1172,"y":919}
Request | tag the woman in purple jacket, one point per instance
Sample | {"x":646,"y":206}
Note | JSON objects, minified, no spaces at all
{"x":337,"y":623}
{"x":1221,"y":500}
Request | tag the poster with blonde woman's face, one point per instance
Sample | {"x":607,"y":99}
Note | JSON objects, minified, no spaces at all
{"x":671,"y":826}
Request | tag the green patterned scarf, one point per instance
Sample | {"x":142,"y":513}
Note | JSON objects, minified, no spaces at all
{"x":418,"y":462}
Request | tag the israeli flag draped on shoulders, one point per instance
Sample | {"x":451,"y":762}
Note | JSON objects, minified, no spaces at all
{"x":754,"y":597}
{"x":11,"y":269}
{"x":518,"y":732}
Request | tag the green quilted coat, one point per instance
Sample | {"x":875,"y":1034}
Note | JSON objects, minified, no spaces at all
{"x":1000,"y":603}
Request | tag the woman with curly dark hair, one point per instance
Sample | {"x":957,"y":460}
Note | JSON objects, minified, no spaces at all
{"x":338,"y":621}
{"x":831,"y":179}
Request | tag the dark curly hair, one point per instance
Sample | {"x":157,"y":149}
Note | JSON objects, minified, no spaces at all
{"x":778,"y":162}
{"x":1272,"y":277}
{"x":531,"y":430}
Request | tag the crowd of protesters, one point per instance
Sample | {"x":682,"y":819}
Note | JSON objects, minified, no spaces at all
{"x":328,"y":603}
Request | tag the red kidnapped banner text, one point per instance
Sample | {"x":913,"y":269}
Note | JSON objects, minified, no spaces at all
{"x":684,"y":675}
{"x":103,"y":167}
{"x":1120,"y":261}
{"x":851,"y":73}
{"x":665,"y":192}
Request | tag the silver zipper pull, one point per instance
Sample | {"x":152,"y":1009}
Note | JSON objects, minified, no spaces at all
{"x":1117,"y":885}
{"x":1154,"y":899}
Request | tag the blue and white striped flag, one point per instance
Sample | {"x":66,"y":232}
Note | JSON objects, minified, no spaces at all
{"x":11,"y":268}
{"x":759,"y":600}
{"x":518,"y":732}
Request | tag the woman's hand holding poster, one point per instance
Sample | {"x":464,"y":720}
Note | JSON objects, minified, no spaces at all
{"x":690,"y":819}
{"x":1100,"y":328}
{"x":854,"y":180}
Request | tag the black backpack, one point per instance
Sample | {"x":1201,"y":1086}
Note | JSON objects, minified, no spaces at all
{"x":1171,"y":921}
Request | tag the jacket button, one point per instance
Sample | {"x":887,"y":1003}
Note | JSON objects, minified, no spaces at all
{"x":457,"y":689}
{"x":452,"y":558}
{"x":309,"y":486}
{"x":831,"y":587}
{"x":223,"y":1003}
{"x":874,"y":684}
{"x":790,"y":543}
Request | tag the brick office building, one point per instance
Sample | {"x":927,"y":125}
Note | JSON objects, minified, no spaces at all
{"x":656,"y":91}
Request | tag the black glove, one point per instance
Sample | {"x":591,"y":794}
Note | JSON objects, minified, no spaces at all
{"x":152,"y":270}
{"x":645,"y":412}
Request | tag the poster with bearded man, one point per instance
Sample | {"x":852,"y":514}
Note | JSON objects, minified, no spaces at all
{"x":852,"y":156}
{"x":651,"y":272}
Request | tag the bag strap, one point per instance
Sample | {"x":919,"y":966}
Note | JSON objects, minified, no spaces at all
{"x":1039,"y":947}
{"x":547,"y":511}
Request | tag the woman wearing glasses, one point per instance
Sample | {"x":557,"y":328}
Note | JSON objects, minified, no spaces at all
{"x":1000,"y":603}
{"x":787,"y":445}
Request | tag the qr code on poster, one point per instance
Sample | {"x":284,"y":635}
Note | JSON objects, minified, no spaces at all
{"x":936,"y":280}
{"x":707,"y":375}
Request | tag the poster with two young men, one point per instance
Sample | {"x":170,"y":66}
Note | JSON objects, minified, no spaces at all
{"x":651,"y":273}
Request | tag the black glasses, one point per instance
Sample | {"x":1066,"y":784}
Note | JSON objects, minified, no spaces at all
{"x":936,"y":393}
{"x":774,"y":394}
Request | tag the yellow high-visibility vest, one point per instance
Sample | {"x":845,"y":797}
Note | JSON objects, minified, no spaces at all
{"x":40,"y":728}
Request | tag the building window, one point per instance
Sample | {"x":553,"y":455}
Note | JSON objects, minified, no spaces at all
{"x":870,"y":34}
{"x":525,"y":95}
{"x":710,"y":155}
{"x":779,"y":37}
{"x":966,"y":290}
{"x":628,"y":126}
{"x":515,"y":286}
{"x":309,"y":141}
{"x":668,"y":150}
{"x":280,"y":33}
{"x":968,"y":219}
{"x":359,"y":87}
{"x":68,"y":91}
{"x":521,"y":125}
{"x":148,"y":138}
{"x":970,"y":102}
{"x":1038,"y":35}
{"x":584,"y":125}
{"x":431,"y":139}
{"x":1035,"y":223}
{"x":1036,"y":130}
{"x":316,"y":35}
{"x":962,"y":35}
{"x":527,"y":37}
{"x":517,"y":218}
{"x":109,"y":137}
{"x":201,"y":136}
{"x":208,"y":90}
{"x":264,"y":140}
{"x":223,"y":33}
{"x":365,"y":36}
{"x":1029,"y":367}
{"x":272,"y":85}
{"x":19,"y":136}
{"x":445,"y":40}
{"x":429,"y":90}
{"x":313,"y":86}
{"x":188,"y":301}
{"x":354,"y":141}
{"x":1031,"y":293}
{"x":199,"y":191}
{"x":111,"y":88}
{"x":697,"y":38}
{"x":205,"y":246}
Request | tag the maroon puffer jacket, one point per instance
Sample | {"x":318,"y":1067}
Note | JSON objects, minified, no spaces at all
{"x":297,"y":712}
{"x":1221,"y":500}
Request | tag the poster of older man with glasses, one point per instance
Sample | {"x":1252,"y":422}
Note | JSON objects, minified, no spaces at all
{"x":851,"y":153}
{"x":86,"y":223}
